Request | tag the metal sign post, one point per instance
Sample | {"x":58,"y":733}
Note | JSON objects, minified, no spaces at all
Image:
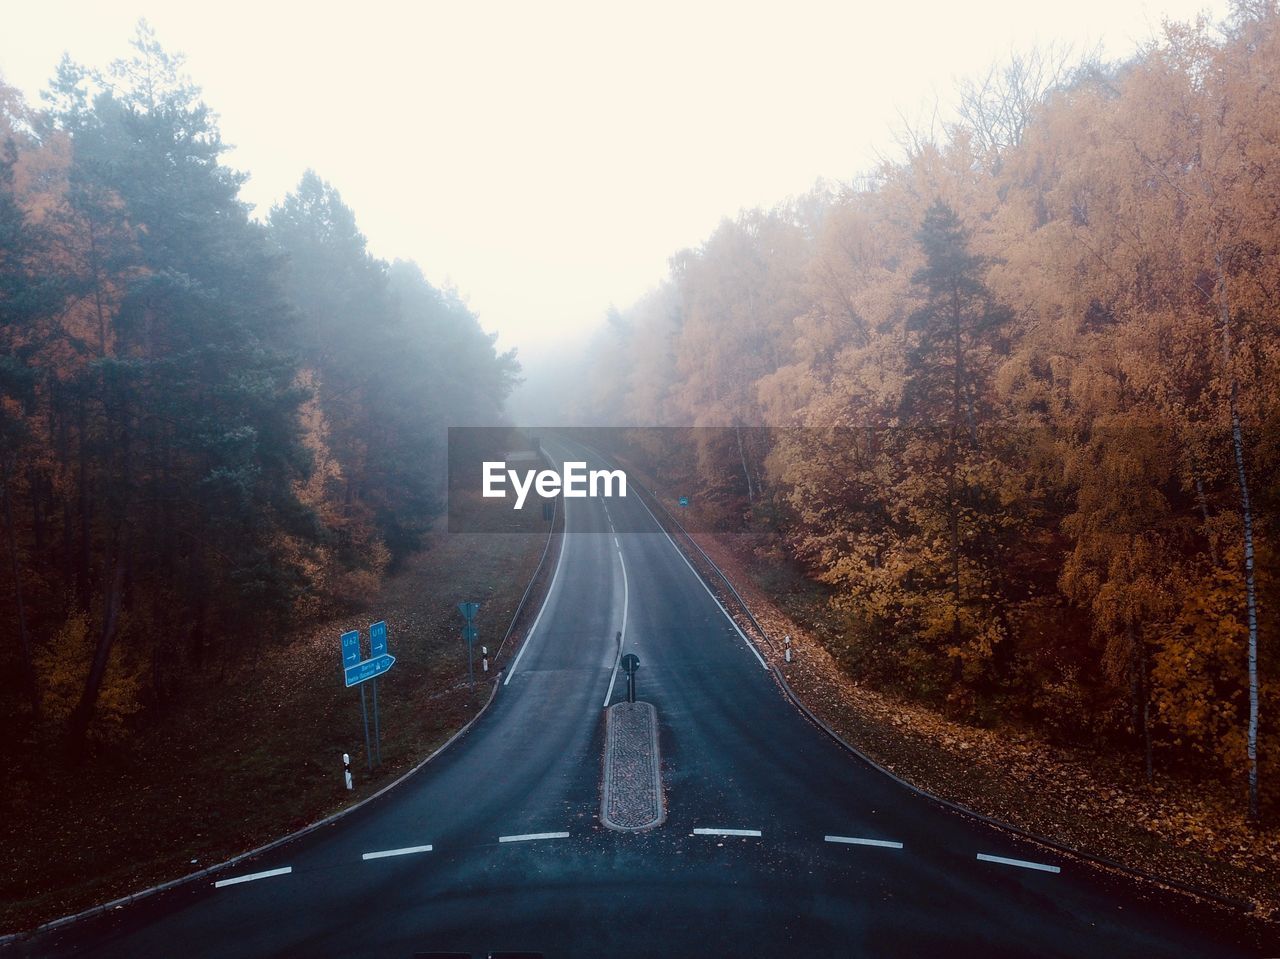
{"x":364,"y":713}
{"x":468,"y":611}
{"x":470,"y":637}
{"x":350,"y":644}
{"x":377,"y":647}
{"x":377,"y":732}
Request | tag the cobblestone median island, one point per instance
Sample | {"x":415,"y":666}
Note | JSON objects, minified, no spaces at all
{"x":632,"y":796}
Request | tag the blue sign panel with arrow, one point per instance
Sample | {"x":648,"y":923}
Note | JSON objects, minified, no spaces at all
{"x":350,"y":649}
{"x":378,"y":638}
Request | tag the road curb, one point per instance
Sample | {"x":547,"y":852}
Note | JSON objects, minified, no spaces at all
{"x":252,"y":853}
{"x":1235,"y":904}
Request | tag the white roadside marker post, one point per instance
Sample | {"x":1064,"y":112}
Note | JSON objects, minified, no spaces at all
{"x":346,"y":771}
{"x":484,"y":657}
{"x":787,"y":640}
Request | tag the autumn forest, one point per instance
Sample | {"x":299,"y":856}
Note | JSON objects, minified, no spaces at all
{"x":1002,"y":411}
{"x":211,"y":428}
{"x":1036,"y":361}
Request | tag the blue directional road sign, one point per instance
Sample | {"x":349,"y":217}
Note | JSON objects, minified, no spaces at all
{"x":374,"y":666}
{"x":378,"y":638}
{"x":684,"y":501}
{"x":351,"y":649}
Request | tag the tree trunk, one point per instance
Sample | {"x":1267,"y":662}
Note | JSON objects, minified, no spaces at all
{"x":80,"y":718}
{"x":24,"y":639}
{"x":1139,"y":649}
{"x":1204,"y":513}
{"x":116,"y":564}
{"x":1246,"y":511}
{"x":746,"y":473}
{"x":196,"y":638}
{"x":953,"y":455}
{"x":36,"y":483}
{"x":1252,"y":605}
{"x":82,"y":483}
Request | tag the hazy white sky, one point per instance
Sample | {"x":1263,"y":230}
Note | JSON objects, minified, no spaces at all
{"x":548,"y":158}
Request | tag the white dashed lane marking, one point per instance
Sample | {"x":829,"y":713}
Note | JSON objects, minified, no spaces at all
{"x":252,"y":876}
{"x":726,"y":832}
{"x":855,"y":841}
{"x":1020,"y":863}
{"x":386,"y":853}
{"x":526,"y":837}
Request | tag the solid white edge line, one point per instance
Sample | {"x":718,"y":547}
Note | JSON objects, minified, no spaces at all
{"x":252,"y":876}
{"x":626,"y":600}
{"x":526,"y":837}
{"x":613,"y":678}
{"x":564,"y":544}
{"x":696,"y":575}
{"x":1021,"y":863}
{"x":726,"y":832}
{"x":385,"y":853}
{"x":855,"y":841}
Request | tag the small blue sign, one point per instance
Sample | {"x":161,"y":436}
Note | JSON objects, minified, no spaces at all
{"x":468,"y":610}
{"x":370,"y":668}
{"x":684,"y":501}
{"x":350,"y":649}
{"x":378,"y":638}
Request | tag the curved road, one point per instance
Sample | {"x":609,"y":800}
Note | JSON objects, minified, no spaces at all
{"x":735,"y":756}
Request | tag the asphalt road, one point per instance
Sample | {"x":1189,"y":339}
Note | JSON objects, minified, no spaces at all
{"x":736,"y":756}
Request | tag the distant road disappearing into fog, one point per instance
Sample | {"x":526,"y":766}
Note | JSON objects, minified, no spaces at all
{"x":776,"y":843}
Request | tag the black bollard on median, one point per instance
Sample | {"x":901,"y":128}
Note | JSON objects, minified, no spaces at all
{"x":630,"y":664}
